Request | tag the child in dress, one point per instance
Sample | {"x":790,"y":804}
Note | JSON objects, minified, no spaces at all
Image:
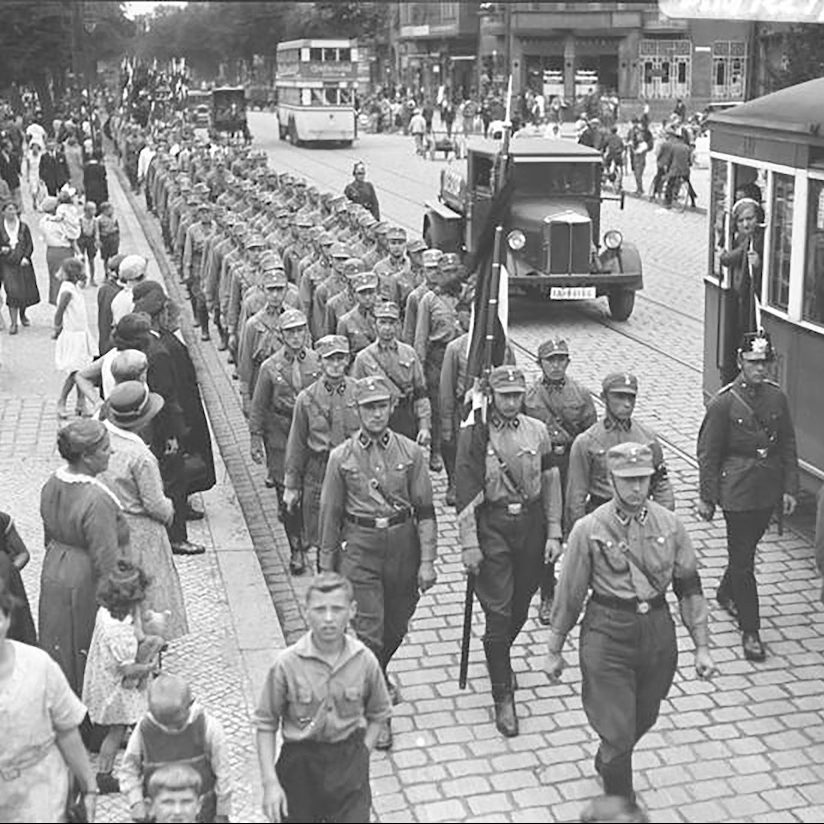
{"x":88,"y":240}
{"x":75,"y":347}
{"x":115,"y":682}
{"x":108,"y":232}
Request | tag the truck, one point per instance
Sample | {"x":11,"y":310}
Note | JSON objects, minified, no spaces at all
{"x":553,"y":244}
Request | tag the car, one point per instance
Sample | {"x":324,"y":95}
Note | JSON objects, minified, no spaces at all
{"x":554,"y":247}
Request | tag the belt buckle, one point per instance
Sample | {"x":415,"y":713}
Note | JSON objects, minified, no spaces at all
{"x":559,"y":449}
{"x":382,"y":523}
{"x":762,"y":452}
{"x":514,"y":509}
{"x":642,"y":607}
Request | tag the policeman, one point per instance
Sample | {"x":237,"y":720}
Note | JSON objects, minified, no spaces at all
{"x":588,"y":483}
{"x":627,"y":552}
{"x":567,"y":410}
{"x":358,"y":324}
{"x":747,"y":465}
{"x":513,"y":530}
{"x":282,"y":376}
{"x":390,"y":358}
{"x":378,"y":526}
{"x":326,"y":414}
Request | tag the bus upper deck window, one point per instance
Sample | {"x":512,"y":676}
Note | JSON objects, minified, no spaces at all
{"x":316,"y":55}
{"x":813,"y":307}
{"x":331,"y":96}
{"x":330,"y":55}
{"x":345,"y":55}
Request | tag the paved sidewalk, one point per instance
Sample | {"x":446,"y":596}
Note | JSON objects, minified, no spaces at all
{"x":235,"y":633}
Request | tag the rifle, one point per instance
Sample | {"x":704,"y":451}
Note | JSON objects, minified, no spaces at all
{"x":467,"y":630}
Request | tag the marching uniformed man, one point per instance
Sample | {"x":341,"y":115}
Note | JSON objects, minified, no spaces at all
{"x":430,"y":259}
{"x":748,"y":466}
{"x":197,"y":239}
{"x":378,"y":526}
{"x":326,"y":414}
{"x":588,"y":483}
{"x":508,"y":535}
{"x":393,"y":270}
{"x":567,"y":409}
{"x":335,"y":282}
{"x":397,"y":361}
{"x":358,"y":324}
{"x":344,"y":301}
{"x":627,"y":552}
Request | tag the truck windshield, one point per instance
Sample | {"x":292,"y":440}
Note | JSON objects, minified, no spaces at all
{"x":556,"y":178}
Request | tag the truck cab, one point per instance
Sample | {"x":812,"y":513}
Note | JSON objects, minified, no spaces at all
{"x":552,"y":228}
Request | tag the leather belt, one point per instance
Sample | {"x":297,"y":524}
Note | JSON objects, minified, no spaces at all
{"x":629,"y":604}
{"x":380,"y":523}
{"x":514,"y":508}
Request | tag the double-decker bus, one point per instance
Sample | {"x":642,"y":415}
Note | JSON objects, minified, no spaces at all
{"x":316,"y":82}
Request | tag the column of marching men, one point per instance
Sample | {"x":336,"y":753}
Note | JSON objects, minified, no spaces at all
{"x":349,"y":344}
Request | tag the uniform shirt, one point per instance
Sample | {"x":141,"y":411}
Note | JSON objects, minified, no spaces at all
{"x":746,"y":447}
{"x":336,"y":308}
{"x":324,"y":292}
{"x":595,"y":558}
{"x":261,"y":337}
{"x":309,"y":699}
{"x":410,"y":315}
{"x":326,"y":414}
{"x":398,"y":362}
{"x":437,"y":322}
{"x":359,"y":328}
{"x":371,"y":255}
{"x":565,"y":407}
{"x":375,"y":478}
{"x":588,"y":474}
{"x":280,"y":380}
{"x":388,"y":271}
{"x":453,"y":381}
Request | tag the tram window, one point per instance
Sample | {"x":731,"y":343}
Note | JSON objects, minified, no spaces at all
{"x":781,"y":219}
{"x":331,"y":96}
{"x":718,"y":212}
{"x":813,"y":308}
{"x":345,"y":55}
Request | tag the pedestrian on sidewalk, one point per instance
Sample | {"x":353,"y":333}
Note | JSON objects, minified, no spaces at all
{"x":59,"y":246}
{"x":113,"y":690}
{"x":327,"y":696}
{"x":13,"y":558}
{"x":74,"y":348}
{"x":16,"y":269}
{"x":177,"y":730}
{"x":95,"y":180}
{"x":37,"y":188}
{"x":88,"y":242}
{"x":106,"y":294}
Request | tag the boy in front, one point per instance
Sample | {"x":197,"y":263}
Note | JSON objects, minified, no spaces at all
{"x":329,"y":693}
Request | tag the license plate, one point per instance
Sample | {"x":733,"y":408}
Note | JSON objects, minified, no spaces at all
{"x":571,"y":292}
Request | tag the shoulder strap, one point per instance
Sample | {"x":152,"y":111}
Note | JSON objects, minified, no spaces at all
{"x":507,"y":472}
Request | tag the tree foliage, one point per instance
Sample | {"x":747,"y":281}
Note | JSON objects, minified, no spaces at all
{"x":801,"y":56}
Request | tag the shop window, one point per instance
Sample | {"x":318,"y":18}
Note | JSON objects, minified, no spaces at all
{"x":729,"y":60}
{"x":813,"y":308}
{"x":781,"y":234}
{"x":665,"y":67}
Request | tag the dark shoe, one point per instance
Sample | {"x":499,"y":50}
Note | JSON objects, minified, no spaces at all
{"x":450,"y":495}
{"x":193,"y":514}
{"x":13,"y":329}
{"x":394,"y":691}
{"x":384,"y":739}
{"x":727,"y":604}
{"x":222,"y":345}
{"x":505,"y":719}
{"x":107,"y":784}
{"x":25,"y":321}
{"x":204,"y":335}
{"x":270,"y":483}
{"x":753,"y":648}
{"x":545,"y":610}
{"x":435,"y":462}
{"x":187,"y":548}
{"x":297,"y":563}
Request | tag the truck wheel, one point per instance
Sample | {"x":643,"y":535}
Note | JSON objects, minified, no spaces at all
{"x":621,"y":303}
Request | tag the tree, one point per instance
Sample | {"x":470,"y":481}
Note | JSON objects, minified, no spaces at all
{"x":799,"y":56}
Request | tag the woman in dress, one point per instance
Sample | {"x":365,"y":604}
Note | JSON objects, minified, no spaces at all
{"x":59,"y":246}
{"x":85,"y":534}
{"x":39,"y":721}
{"x":13,"y":557}
{"x":16,"y":270}
{"x":37,"y":188}
{"x":75,"y":348}
{"x":134,"y":477}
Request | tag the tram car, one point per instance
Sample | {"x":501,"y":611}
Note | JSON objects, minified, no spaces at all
{"x":767,"y":202}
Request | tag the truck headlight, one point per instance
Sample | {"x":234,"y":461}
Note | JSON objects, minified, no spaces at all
{"x":613,"y":239}
{"x":516,"y":240}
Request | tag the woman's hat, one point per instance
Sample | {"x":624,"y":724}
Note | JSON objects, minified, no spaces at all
{"x":132,"y":405}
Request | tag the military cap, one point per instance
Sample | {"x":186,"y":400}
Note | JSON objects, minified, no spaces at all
{"x":282,"y":211}
{"x":507,"y":379}
{"x":620,"y":382}
{"x":373,"y":388}
{"x":449,"y":262}
{"x":367,"y":219}
{"x":271,"y":264}
{"x":388,"y":310}
{"x":312,"y":190}
{"x":630,"y":460}
{"x":304,"y":221}
{"x":300,"y":183}
{"x":416,"y":245}
{"x":292,"y":319}
{"x":352,"y":206}
{"x":553,"y":347}
{"x":381,"y":227}
{"x":255,"y":242}
{"x":193,"y":200}
{"x":364,"y":280}
{"x":332,"y":345}
{"x":325,"y":239}
{"x":756,"y":346}
{"x":338,"y":250}
{"x":315,"y":232}
{"x":326,"y":197}
{"x":431,"y":257}
{"x":202,"y":188}
{"x":339,"y":205}
{"x":273,"y":277}
{"x":353,"y":266}
{"x":396,"y":233}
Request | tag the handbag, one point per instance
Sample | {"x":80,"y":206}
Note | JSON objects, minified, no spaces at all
{"x":76,"y":811}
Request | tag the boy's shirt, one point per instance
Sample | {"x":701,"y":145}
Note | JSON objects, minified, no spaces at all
{"x":131,"y":770}
{"x":313,"y":701}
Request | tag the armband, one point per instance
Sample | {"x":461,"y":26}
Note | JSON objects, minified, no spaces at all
{"x":688,"y":585}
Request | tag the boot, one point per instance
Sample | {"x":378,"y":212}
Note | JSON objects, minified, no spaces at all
{"x":500,"y":674}
{"x":545,"y":610}
{"x":297,"y":563}
{"x":753,"y":647}
{"x":203,"y":319}
{"x":506,"y":720}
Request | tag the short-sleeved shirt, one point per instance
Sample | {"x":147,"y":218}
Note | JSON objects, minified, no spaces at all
{"x":311,"y":700}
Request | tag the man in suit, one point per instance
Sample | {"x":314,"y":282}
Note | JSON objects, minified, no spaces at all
{"x":53,"y":170}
